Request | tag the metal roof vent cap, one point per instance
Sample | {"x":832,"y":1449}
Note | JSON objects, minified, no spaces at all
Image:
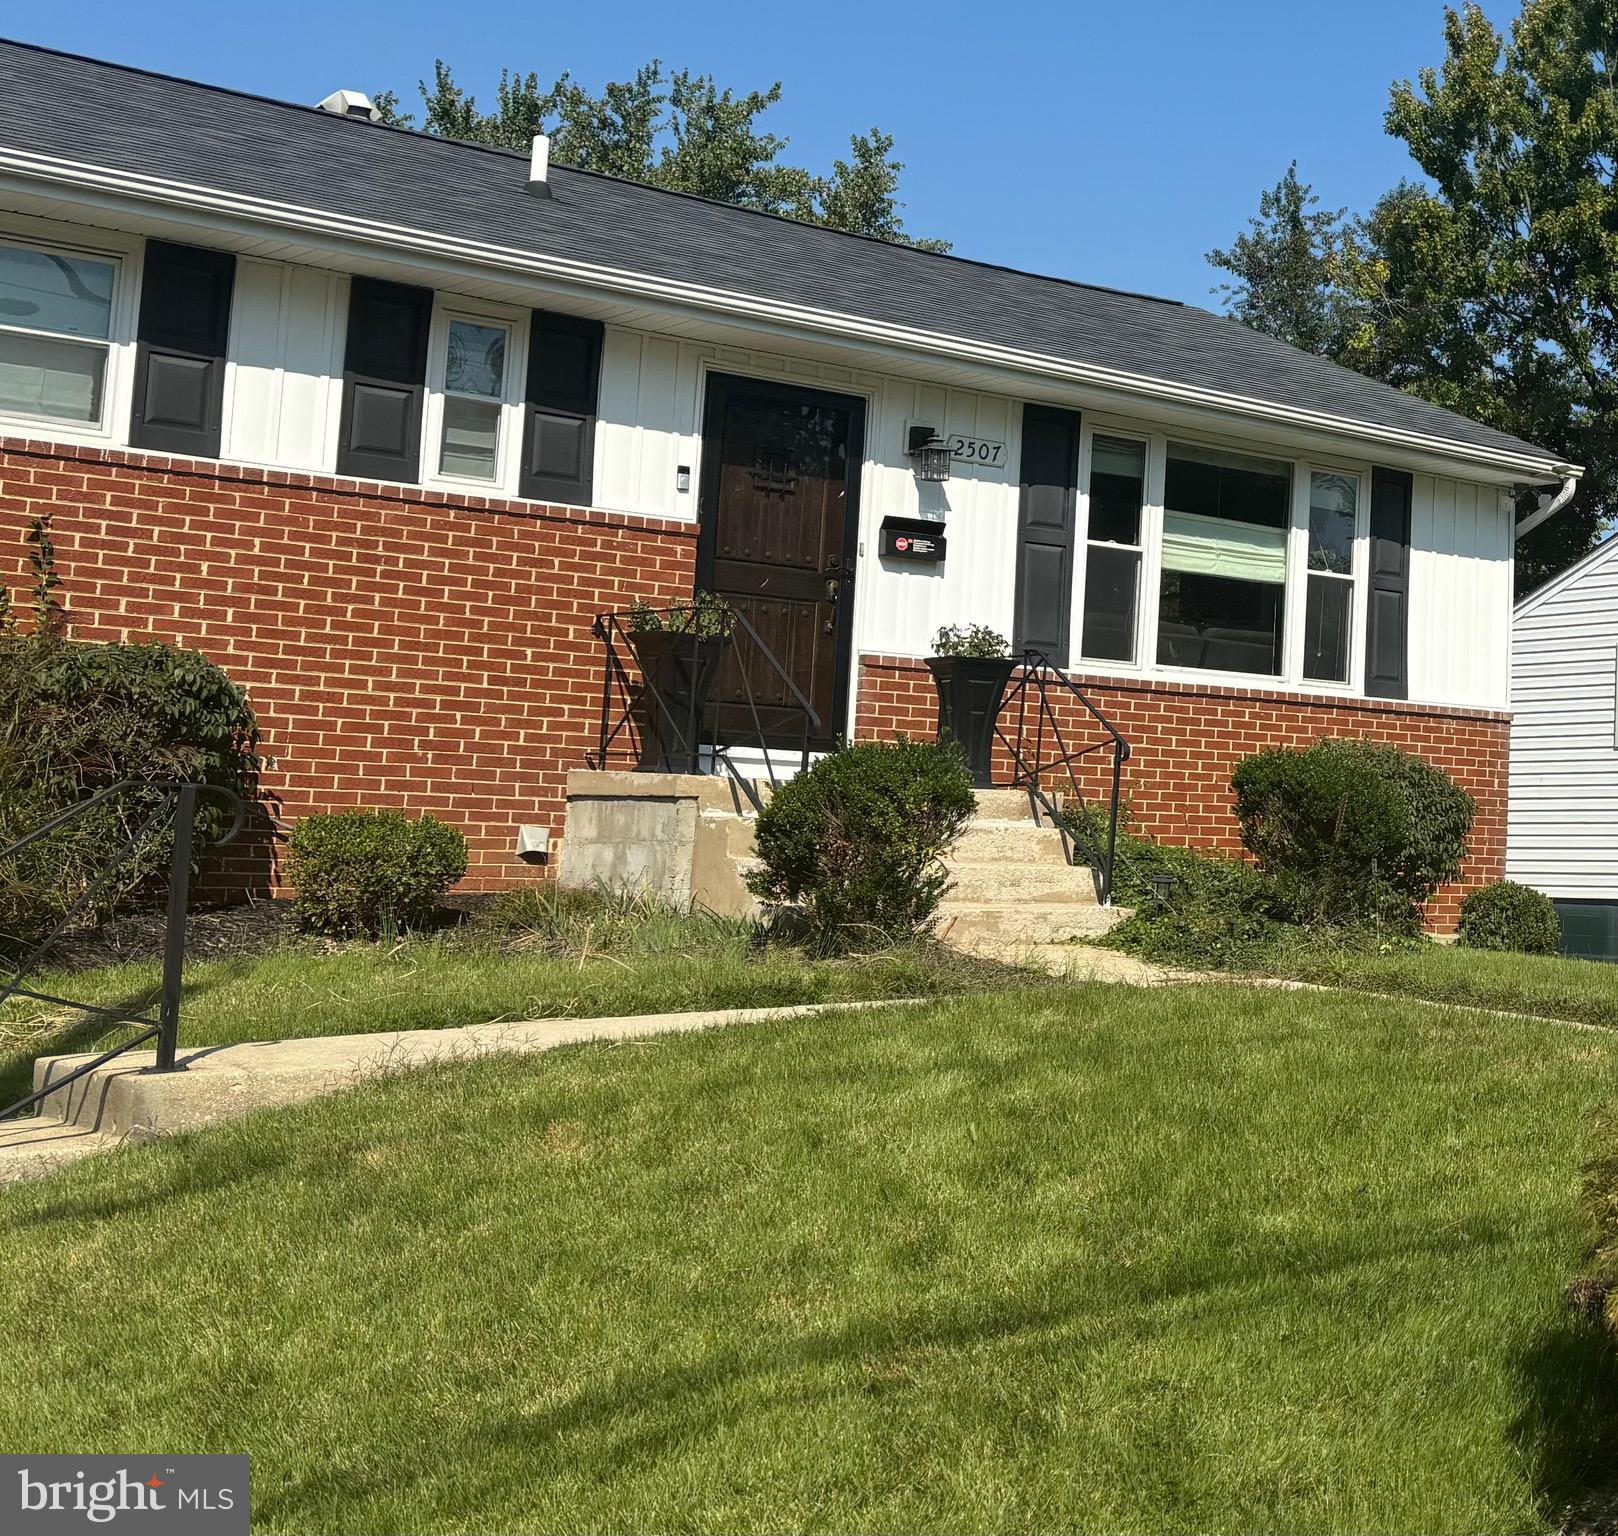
{"x":350,"y":104}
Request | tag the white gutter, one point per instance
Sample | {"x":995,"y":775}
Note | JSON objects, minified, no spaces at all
{"x":400,"y":238}
{"x":1570,"y":483}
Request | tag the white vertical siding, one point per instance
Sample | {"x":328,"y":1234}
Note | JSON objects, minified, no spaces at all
{"x":1460,"y":594}
{"x":902,"y":605}
{"x":283,"y":399}
{"x":1562,"y":823}
{"x":285,"y":365}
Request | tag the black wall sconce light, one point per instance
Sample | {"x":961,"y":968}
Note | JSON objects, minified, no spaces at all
{"x":929,"y":453}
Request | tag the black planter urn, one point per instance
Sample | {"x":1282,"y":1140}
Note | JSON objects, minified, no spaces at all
{"x":679,"y":670}
{"x":969,"y":692}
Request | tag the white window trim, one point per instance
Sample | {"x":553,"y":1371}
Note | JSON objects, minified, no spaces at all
{"x":123,"y":253}
{"x":1298,"y":561}
{"x":515,"y":322}
{"x":1088,"y":432}
{"x":1145,"y":665}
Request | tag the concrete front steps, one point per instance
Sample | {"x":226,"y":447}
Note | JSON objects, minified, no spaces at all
{"x":688,"y":839}
{"x":1013,"y":888}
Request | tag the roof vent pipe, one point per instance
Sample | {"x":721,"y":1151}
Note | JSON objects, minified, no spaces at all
{"x":539,"y":167}
{"x":350,"y":104}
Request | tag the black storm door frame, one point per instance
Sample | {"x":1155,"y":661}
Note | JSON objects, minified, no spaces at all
{"x":720,"y":390}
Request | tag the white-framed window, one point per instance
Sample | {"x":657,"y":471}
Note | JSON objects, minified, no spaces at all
{"x":57,"y":331}
{"x":473,"y":386}
{"x":1219,"y":559}
{"x":1115,"y":520}
{"x":476,"y":358}
{"x":1331,"y":567}
{"x":1222,"y":584}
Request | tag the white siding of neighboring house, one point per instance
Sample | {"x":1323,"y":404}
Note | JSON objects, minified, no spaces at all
{"x":1562,"y":835}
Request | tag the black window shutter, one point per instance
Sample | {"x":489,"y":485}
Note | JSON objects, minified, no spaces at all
{"x":559,"y":420}
{"x":384,"y":380}
{"x":180,"y":349}
{"x":1046,"y":524}
{"x":1387,"y":617}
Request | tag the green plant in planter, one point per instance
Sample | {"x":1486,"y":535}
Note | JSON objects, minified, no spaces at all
{"x":704,"y":616}
{"x":975,"y":640}
{"x":679,"y":649}
{"x":971,"y":670}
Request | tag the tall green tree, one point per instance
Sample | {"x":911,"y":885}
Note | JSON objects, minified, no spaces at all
{"x":1286,"y":269}
{"x":1491,"y":286}
{"x":679,"y":131}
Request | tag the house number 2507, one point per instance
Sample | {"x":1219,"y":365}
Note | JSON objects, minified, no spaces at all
{"x":977,"y":450}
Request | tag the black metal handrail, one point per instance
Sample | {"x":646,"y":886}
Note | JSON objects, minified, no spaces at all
{"x":1038,"y":676}
{"x":179,"y":803}
{"x":687,"y":730}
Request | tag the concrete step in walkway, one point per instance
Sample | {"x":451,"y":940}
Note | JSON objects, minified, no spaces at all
{"x":31,"y":1148}
{"x":126,"y":1102}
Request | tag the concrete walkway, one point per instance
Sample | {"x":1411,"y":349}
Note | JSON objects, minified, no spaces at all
{"x":126,"y":1101}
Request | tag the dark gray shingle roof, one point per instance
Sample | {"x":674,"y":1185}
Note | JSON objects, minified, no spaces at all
{"x":131,"y":120}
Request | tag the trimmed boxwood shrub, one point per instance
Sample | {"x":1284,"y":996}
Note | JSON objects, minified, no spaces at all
{"x":857,"y":839}
{"x":1352,"y":832}
{"x":363,"y":872}
{"x":1505,"y":915}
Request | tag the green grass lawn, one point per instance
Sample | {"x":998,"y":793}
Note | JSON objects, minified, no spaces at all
{"x":1205,"y":1259}
{"x":1547,"y":985}
{"x":596,"y":963}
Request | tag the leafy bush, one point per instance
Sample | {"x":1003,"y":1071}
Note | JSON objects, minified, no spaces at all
{"x":976,"y":640}
{"x":362,"y":872}
{"x":1505,"y":915}
{"x":1207,"y":878}
{"x":1352,"y":832}
{"x":857,"y":839}
{"x":1595,"y":1291}
{"x":77,"y":717}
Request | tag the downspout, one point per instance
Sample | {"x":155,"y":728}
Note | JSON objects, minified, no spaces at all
{"x":1548,"y":511}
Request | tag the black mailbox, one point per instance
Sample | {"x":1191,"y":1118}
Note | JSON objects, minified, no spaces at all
{"x":907,"y":538}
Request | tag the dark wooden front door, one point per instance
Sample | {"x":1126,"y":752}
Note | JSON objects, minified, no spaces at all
{"x":780,"y":519}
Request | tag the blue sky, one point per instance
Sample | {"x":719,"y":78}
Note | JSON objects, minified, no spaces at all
{"x":1110,"y":142}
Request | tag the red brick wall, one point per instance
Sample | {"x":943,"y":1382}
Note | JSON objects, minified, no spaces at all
{"x":1186,"y":739}
{"x":410,"y":648}
{"x":401,"y":647}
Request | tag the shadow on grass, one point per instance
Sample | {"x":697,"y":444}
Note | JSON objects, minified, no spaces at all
{"x":1567,"y":1430}
{"x":640,"y":1416}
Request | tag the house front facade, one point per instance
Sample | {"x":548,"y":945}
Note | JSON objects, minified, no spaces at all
{"x":382,"y":422}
